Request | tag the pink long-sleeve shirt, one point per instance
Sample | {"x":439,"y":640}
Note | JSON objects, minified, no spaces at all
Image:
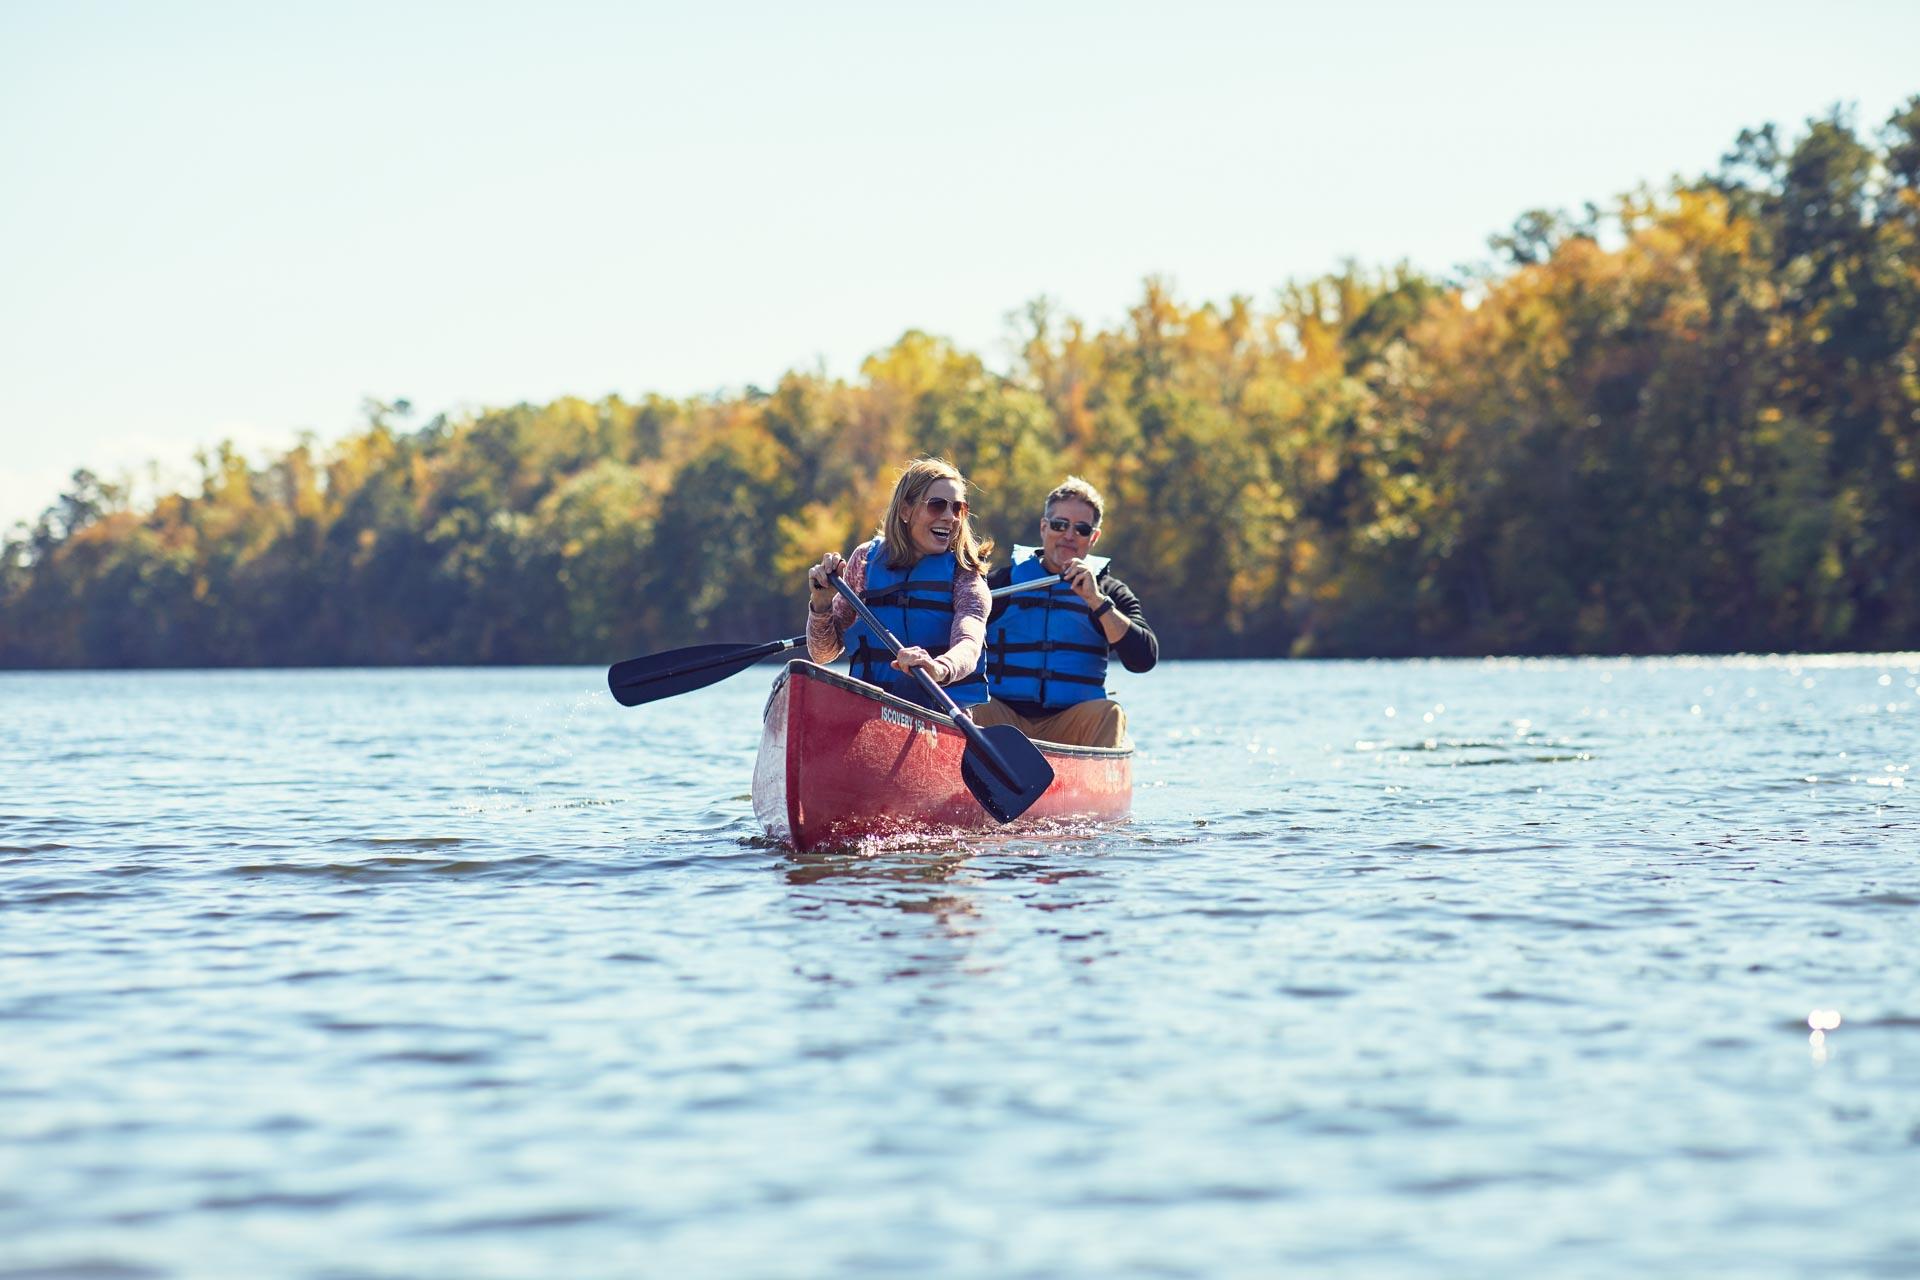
{"x":826,"y":631}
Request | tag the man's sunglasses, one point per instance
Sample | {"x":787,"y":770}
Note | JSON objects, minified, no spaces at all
{"x":1080,"y":527}
{"x":939,"y":506}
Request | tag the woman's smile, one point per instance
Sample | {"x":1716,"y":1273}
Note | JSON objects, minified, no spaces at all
{"x":931,"y":530}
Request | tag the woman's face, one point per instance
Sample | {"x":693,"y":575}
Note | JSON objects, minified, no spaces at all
{"x":934,"y":521}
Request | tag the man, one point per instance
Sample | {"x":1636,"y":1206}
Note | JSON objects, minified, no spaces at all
{"x":1047,"y":649}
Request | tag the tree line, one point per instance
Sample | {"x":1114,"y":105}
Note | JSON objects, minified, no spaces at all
{"x":1688,"y":421}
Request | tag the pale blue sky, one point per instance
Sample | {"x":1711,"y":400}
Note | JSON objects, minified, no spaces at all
{"x":238,"y":219}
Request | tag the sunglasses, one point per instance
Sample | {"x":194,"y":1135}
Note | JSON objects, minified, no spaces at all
{"x":1080,"y":527}
{"x":940,"y":506}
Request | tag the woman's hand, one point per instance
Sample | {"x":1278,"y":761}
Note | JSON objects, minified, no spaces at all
{"x":821,"y":598}
{"x":911,"y":656}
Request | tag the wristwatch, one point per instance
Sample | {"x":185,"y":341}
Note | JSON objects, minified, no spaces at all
{"x":1104,"y":607}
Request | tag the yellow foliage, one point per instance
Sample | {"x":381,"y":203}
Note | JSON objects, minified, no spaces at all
{"x":809,"y":533}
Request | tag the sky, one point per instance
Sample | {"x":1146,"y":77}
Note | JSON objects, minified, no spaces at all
{"x":237,"y":221}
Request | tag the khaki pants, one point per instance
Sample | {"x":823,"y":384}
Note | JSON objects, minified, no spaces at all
{"x":1099,"y":723}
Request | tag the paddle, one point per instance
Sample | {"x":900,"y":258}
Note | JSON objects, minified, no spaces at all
{"x":677,"y":671}
{"x":663,"y":675}
{"x":1003,"y":769}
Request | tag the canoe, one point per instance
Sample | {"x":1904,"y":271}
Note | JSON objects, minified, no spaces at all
{"x":841,"y":761}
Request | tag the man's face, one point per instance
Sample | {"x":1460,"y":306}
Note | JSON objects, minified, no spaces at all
{"x":1057,"y":546}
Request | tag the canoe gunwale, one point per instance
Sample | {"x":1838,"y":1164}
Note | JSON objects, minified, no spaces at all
{"x":826,"y":675}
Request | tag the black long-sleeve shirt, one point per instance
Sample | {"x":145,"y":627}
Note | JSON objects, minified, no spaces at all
{"x":1137,"y":650}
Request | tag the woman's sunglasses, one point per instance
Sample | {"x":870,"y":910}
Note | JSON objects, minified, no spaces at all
{"x":1080,"y":527}
{"x":940,"y":506}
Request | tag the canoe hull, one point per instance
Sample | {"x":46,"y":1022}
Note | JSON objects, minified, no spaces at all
{"x":841,"y":761}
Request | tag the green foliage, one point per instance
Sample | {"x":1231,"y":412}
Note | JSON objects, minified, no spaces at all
{"x":1689,"y":423}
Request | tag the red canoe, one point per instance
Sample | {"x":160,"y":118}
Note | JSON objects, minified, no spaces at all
{"x":840,"y":760}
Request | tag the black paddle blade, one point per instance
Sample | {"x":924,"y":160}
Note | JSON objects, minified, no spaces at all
{"x":662,"y":675}
{"x":1029,"y":774}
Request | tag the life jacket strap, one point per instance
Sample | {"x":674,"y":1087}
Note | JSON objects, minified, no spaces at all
{"x":1050,"y":646}
{"x":1067,"y":602}
{"x":925,"y":586}
{"x":1001,"y":669}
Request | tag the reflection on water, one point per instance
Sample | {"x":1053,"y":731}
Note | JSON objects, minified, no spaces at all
{"x":1411,"y":968}
{"x":914,"y":881}
{"x":883,"y":865}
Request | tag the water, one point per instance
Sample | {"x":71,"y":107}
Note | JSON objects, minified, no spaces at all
{"x":1400,"y":969}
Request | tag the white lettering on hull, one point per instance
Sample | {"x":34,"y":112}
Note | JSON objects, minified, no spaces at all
{"x":893,"y":715}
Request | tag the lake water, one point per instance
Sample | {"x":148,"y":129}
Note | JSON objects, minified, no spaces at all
{"x":1400,"y":968}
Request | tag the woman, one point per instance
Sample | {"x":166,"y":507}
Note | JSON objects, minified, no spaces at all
{"x":922,"y":575}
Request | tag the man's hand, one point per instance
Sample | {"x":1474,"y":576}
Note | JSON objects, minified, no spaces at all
{"x":1081,"y":579}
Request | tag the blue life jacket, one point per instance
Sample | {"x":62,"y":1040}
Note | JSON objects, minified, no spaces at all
{"x":1046,"y":648}
{"x":916,"y":604}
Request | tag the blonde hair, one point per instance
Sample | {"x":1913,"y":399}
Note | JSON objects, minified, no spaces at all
{"x":969,"y":552}
{"x":1075,"y":487}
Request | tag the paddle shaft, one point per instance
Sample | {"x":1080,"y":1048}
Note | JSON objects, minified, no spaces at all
{"x":974,"y":737}
{"x":1034,"y":585}
{"x":641,"y":680}
{"x":773,"y":648}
